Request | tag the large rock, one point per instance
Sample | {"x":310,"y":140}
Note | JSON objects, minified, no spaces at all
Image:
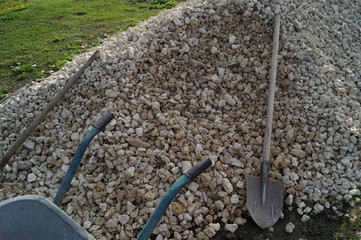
{"x":136,"y":142}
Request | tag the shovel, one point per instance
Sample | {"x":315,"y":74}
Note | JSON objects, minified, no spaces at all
{"x":265,"y":196}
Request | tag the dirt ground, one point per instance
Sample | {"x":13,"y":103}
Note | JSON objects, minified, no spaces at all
{"x":321,"y":226}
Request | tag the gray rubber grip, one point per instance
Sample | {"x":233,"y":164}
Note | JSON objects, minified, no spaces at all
{"x":199,"y":168}
{"x":103,"y":122}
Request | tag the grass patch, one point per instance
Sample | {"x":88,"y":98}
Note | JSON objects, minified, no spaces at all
{"x":157,"y":4}
{"x":351,"y":227}
{"x":8,"y":6}
{"x":319,"y":228}
{"x":3,"y":91}
{"x":46,"y":33}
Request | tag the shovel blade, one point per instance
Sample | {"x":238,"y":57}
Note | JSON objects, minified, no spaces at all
{"x":267,"y":214}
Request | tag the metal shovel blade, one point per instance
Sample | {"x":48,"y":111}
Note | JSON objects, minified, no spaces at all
{"x":267,"y":214}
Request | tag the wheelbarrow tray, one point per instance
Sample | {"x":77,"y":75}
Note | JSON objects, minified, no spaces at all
{"x":37,"y":218}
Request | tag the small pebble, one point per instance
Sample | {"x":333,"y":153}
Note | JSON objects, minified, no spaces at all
{"x":231,"y":227}
{"x":290,"y":227}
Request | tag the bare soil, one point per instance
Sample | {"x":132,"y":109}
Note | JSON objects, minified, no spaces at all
{"x":321,"y":227}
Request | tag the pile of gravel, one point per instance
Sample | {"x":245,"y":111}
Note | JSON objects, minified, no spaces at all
{"x":192,"y":83}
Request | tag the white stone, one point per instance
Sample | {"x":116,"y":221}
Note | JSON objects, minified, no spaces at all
{"x":31,"y":177}
{"x":240,"y":185}
{"x":229,"y":99}
{"x":216,"y":79}
{"x":111,"y":94}
{"x":187,"y":165}
{"x":87,"y":224}
{"x":215,"y":226}
{"x":298,"y":153}
{"x":227,"y":186}
{"x":231,"y":227}
{"x":193,"y":186}
{"x":75,"y":136}
{"x":130,"y":171}
{"x":177,"y":22}
{"x":103,"y":206}
{"x":346,"y":161}
{"x":231,"y":39}
{"x":139,"y":132}
{"x":222,"y":194}
{"x":123,"y":219}
{"x":354,"y":192}
{"x":123,"y":236}
{"x":301,"y":204}
{"x":65,"y":168}
{"x":198,"y":220}
{"x":222,"y":103}
{"x":234,"y":199}
{"x":186,"y":48}
{"x":297,"y":25}
{"x":289,"y":200}
{"x":29,"y":145}
{"x":219,"y":204}
{"x":248,"y":88}
{"x":111,"y":223}
{"x":164,"y":229}
{"x":221,"y":72}
{"x":240,"y":221}
{"x":214,"y":50}
{"x":198,"y":149}
{"x":159,"y":237}
{"x":131,"y":53}
{"x":347,"y":197}
{"x":318,"y":208}
{"x":209,"y":231}
{"x":130,"y":208}
{"x":305,"y":218}
{"x":290,"y":227}
{"x":177,"y":236}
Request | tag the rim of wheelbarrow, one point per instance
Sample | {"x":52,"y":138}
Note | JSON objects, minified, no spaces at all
{"x":65,"y":218}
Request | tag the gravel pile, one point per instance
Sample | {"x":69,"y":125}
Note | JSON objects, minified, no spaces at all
{"x":192,"y":83}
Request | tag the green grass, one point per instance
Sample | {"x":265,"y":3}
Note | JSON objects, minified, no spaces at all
{"x":7,"y":6}
{"x":41,"y":35}
{"x":321,"y":230}
{"x":157,"y":4}
{"x":3,"y":91}
{"x":351,"y":227}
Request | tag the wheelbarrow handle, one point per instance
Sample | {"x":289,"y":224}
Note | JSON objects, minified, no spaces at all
{"x":65,"y":184}
{"x":103,"y":122}
{"x":170,"y":195}
{"x":198,"y":169}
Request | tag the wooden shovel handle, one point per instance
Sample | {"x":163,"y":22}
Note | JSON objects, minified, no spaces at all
{"x":271,"y":90}
{"x":271,"y":99}
{"x":5,"y":159}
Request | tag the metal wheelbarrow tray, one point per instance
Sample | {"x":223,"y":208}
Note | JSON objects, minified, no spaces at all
{"x":37,"y":218}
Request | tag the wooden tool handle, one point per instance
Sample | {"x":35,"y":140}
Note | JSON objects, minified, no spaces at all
{"x":5,"y":159}
{"x":271,"y":90}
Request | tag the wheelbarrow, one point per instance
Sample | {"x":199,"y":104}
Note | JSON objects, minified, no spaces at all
{"x":37,"y":218}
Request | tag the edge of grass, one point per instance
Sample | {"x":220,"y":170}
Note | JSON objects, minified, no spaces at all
{"x":351,"y":226}
{"x":41,"y":38}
